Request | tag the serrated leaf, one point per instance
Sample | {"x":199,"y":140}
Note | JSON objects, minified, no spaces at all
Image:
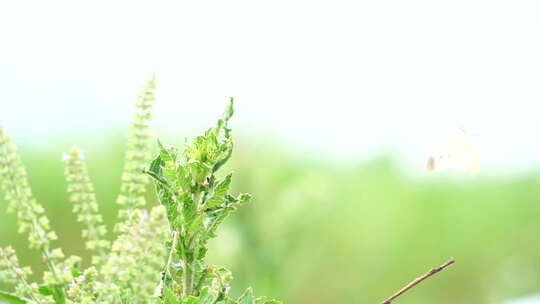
{"x":198,"y":151}
{"x":168,"y":157}
{"x":183,"y":178}
{"x":243,"y":198}
{"x":165,"y":193}
{"x":164,"y":152}
{"x":220,"y":191}
{"x":155,"y":165}
{"x":199,"y":171}
{"x":225,"y":276}
{"x":196,"y":222}
{"x":155,"y":171}
{"x":246,"y":297}
{"x":11,"y":298}
{"x":224,"y":155}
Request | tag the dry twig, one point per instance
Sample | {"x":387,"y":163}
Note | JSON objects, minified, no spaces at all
{"x":418,"y":280}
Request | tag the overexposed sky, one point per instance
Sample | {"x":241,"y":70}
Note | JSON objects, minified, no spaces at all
{"x":349,"y":78}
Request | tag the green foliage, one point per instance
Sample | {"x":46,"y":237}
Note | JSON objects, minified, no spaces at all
{"x":85,"y":205}
{"x":10,"y":298}
{"x":31,"y":220}
{"x":196,"y":201}
{"x":138,"y":153}
{"x":157,"y":255}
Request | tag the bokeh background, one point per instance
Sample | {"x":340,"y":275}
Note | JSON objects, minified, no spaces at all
{"x":339,"y":103}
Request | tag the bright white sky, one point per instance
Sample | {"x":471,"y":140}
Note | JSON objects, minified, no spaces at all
{"x":348,"y":77}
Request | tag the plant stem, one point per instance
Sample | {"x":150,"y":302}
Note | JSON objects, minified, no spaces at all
{"x":193,"y":269}
{"x":191,"y":259}
{"x":418,"y":280}
{"x":185,"y":273}
{"x":169,"y":259}
{"x":201,"y":279}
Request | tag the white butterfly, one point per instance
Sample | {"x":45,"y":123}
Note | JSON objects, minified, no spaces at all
{"x":455,"y":151}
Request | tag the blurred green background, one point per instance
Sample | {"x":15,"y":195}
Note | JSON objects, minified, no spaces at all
{"x":346,"y":77}
{"x":321,"y":231}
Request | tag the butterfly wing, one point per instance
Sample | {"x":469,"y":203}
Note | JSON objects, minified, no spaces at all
{"x":457,"y":151}
{"x":467,"y":154}
{"x":431,"y":164}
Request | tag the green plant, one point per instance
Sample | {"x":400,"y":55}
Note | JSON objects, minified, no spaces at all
{"x":157,"y":255}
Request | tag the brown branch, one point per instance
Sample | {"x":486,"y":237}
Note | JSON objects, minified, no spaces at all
{"x":418,"y":280}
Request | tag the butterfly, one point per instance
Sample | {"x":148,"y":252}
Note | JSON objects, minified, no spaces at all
{"x":455,"y":151}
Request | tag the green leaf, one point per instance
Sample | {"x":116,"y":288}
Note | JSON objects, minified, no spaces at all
{"x":157,"y":178}
{"x":222,"y":123}
{"x":155,"y":165}
{"x":183,"y":178}
{"x":220,"y":191}
{"x":197,"y":221}
{"x":56,"y":291}
{"x":165,"y":195}
{"x":75,"y":272}
{"x":224,"y":156}
{"x":263,"y":300}
{"x":196,"y":203}
{"x":45,"y":290}
{"x":199,"y":170}
{"x":246,"y":297}
{"x":58,"y":294}
{"x":164,"y":192}
{"x":190,"y":300}
{"x":205,"y":297}
{"x":11,"y":298}
{"x":229,"y":111}
{"x":169,"y":297}
{"x":155,"y":171}
{"x":243,"y":198}
{"x":164,"y":152}
{"x":211,"y":233}
{"x":168,"y":157}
